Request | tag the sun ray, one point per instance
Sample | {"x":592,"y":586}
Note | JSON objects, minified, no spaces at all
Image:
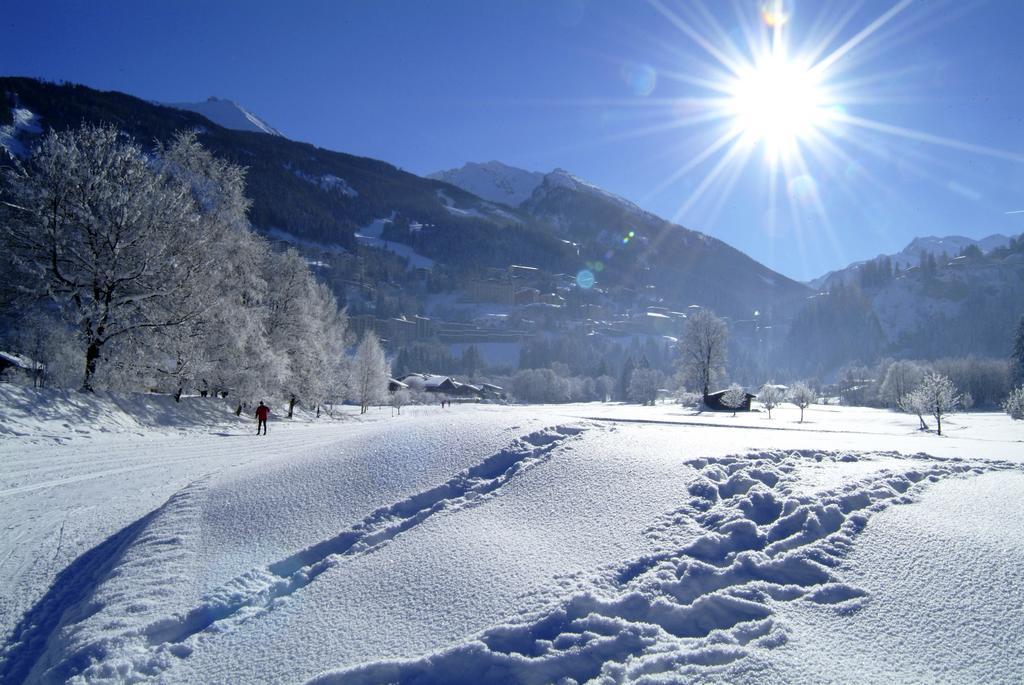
{"x":710,"y":178}
{"x":826,"y":39}
{"x":696,"y":37}
{"x":923,"y":137}
{"x":865,"y":33}
{"x":694,"y":162}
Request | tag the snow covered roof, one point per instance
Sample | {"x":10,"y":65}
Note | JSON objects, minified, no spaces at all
{"x":20,"y":361}
{"x":426,"y":381}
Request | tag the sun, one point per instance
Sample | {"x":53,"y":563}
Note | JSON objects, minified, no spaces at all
{"x":778,"y":102}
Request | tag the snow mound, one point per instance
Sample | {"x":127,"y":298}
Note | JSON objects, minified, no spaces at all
{"x":102,"y":622}
{"x":691,"y":609}
{"x":44,"y":414}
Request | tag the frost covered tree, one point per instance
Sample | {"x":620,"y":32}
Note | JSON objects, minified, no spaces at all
{"x":703,"y":350}
{"x":900,"y":380}
{"x":400,"y":398}
{"x":114,"y":240}
{"x":305,"y":328}
{"x":770,"y":396}
{"x":1014,"y":405}
{"x":540,"y":386}
{"x":604,"y":386}
{"x":936,"y":395}
{"x":802,"y":396}
{"x":189,"y":354}
{"x":734,"y":397}
{"x":370,"y":372}
{"x":643,"y":386}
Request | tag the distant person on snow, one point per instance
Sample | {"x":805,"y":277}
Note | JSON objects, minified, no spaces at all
{"x":262,"y":412}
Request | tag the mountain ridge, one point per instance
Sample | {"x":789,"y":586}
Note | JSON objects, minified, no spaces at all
{"x":910,"y":256}
{"x":327,"y":197}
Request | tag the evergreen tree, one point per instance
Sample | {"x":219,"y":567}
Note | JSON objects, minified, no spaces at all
{"x":1017,"y":356}
{"x":472,"y":361}
{"x":625,"y":377}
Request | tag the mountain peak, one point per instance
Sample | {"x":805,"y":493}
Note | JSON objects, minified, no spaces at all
{"x":494,"y":181}
{"x":227,"y":113}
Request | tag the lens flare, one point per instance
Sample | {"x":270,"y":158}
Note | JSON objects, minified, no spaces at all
{"x":585,"y":279}
{"x":641,"y":78}
{"x":774,"y":13}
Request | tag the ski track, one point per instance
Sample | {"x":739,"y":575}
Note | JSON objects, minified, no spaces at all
{"x":39,"y":647}
{"x":692,"y":609}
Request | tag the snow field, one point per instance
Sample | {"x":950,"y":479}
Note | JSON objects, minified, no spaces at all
{"x":687,"y":612}
{"x":602,"y":543}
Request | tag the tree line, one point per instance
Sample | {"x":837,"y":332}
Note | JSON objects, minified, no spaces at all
{"x":137,"y":269}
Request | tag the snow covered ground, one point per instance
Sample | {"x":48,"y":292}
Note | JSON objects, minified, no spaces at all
{"x":480,"y":543}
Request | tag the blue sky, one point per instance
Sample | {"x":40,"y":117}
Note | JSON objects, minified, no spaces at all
{"x":925,"y":112}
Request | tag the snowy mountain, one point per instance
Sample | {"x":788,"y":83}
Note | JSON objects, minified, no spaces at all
{"x":910,"y":256}
{"x":962,"y":305}
{"x":228,"y":114}
{"x":512,"y":186}
{"x":493,"y":181}
{"x":951,"y":245}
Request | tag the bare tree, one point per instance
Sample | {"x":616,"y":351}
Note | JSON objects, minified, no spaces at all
{"x":703,"y":349}
{"x":770,"y":397}
{"x":370,"y":372}
{"x":802,"y":396}
{"x":936,"y":395}
{"x":734,"y":397}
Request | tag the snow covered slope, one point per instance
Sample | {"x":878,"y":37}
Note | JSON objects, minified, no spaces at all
{"x":493,"y":181}
{"x":228,"y":114}
{"x":24,"y":125}
{"x":493,"y":544}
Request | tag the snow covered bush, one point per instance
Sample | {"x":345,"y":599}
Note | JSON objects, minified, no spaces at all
{"x":1014,"y":405}
{"x":802,"y":396}
{"x":540,"y":386}
{"x":688,"y":399}
{"x":770,"y":397}
{"x":734,"y":397}
{"x":937,"y":396}
{"x":399,"y":398}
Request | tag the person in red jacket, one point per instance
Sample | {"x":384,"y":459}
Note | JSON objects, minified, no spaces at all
{"x":262,"y":412}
